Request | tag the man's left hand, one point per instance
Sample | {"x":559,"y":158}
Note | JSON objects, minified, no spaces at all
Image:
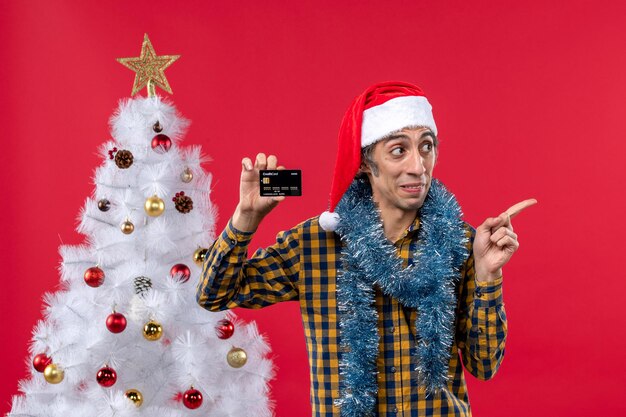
{"x":495,"y":243}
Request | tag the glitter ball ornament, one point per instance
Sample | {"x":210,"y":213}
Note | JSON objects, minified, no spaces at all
{"x":116,"y":322}
{"x":124,"y":159}
{"x":104,"y":205}
{"x":142,"y":285}
{"x":182,"y":202}
{"x":154,"y":206}
{"x":199,"y":256}
{"x":161,"y":143}
{"x":106,"y":377}
{"x":224,"y":329}
{"x":53,"y":374}
{"x":94,"y":276}
{"x":134,"y":396}
{"x":127,"y":227}
{"x":180,"y":272}
{"x":157,"y":127}
{"x":152,"y":331}
{"x":192,"y":398}
{"x":40,"y":361}
{"x":186,"y":176}
{"x":237,"y":357}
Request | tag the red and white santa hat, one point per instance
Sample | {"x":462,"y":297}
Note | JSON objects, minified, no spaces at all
{"x":380,"y":110}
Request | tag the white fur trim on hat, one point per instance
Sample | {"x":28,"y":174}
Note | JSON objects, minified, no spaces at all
{"x":396,"y":114}
{"x":329,"y":221}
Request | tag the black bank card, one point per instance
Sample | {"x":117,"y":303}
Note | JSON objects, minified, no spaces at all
{"x":287,"y":182}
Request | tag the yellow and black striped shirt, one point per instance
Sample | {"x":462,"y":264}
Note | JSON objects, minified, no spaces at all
{"x":302,"y":266}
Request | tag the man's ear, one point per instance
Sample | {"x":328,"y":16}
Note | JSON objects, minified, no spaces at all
{"x":364,"y":168}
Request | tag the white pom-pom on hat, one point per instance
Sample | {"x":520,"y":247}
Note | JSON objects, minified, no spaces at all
{"x":329,"y":221}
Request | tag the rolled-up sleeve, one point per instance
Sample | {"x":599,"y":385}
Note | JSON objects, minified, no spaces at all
{"x":231,"y":280}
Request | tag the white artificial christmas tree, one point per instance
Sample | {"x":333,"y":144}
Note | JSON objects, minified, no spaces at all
{"x":125,"y":336}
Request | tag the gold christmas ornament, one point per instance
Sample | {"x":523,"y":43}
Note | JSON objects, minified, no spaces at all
{"x":154,"y":206}
{"x":152,"y":330}
{"x":53,"y":374}
{"x":237,"y":357}
{"x":149,"y":68}
{"x":199,"y":256}
{"x":127,"y":227}
{"x":186,"y":176}
{"x":134,"y":396}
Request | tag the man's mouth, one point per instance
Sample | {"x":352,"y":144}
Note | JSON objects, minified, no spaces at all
{"x":413,"y":188}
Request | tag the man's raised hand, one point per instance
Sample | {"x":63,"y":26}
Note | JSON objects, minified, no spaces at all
{"x":495,"y":242}
{"x":252,"y":208}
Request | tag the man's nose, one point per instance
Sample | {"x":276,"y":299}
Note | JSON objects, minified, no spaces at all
{"x":416,"y":164}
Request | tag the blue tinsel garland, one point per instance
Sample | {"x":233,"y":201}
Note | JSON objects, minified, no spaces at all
{"x":428,"y":286}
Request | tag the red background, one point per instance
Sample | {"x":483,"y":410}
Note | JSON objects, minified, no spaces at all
{"x":528,"y":96}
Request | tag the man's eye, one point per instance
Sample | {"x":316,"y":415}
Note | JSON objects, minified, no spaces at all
{"x":397,"y":151}
{"x":427,"y":147}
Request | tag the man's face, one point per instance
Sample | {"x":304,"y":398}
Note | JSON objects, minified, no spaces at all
{"x":405,"y":163}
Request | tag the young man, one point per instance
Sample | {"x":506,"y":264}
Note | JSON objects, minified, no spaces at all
{"x":394,"y":288}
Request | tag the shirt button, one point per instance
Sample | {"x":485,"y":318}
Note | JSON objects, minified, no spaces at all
{"x":395,"y":410}
{"x":393,"y":369}
{"x":233,"y":241}
{"x":478,"y":292}
{"x":392,"y":330}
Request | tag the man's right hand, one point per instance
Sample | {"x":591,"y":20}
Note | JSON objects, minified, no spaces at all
{"x":252,"y":208}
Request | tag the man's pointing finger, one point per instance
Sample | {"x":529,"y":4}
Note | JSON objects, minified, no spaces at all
{"x":516,"y":209}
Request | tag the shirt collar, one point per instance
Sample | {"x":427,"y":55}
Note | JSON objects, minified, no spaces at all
{"x":412,"y":229}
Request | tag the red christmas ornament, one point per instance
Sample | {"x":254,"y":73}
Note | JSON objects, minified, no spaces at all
{"x":94,"y":276}
{"x":116,"y":322}
{"x":161,"y":143}
{"x":192,"y":398}
{"x":40,"y":361}
{"x":180,"y":271}
{"x":106,"y":377}
{"x":224,"y":329}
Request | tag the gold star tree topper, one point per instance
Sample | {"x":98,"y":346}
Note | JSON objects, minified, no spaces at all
{"x":149,"y":68}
